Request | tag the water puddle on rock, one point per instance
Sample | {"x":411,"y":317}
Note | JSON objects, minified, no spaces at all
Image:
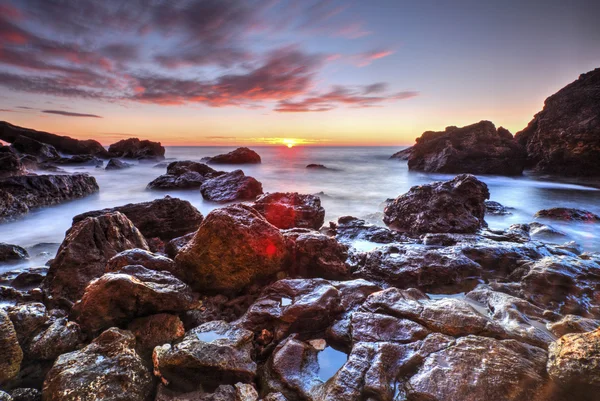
{"x":330,"y":361}
{"x":209,"y":336}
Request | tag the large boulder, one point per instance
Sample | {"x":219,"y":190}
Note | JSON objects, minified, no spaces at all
{"x":233,"y":186}
{"x":11,"y":354}
{"x":9,"y":252}
{"x":476,"y":149}
{"x":165,"y":218}
{"x":10,"y":133}
{"x":41,"y":151}
{"x":107,"y":369}
{"x":574,"y":360}
{"x":82,"y":256}
{"x":133,"y":148}
{"x":19,"y":194}
{"x":564,"y":138}
{"x":184,"y":175}
{"x":133,"y":291}
{"x":211,"y":354}
{"x":238,"y":156}
{"x":455,"y":206}
{"x":291,"y":209}
{"x":233,"y":247}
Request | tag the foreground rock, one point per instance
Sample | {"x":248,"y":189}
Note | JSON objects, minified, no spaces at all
{"x":312,"y":254}
{"x":11,"y":354}
{"x":455,"y":206}
{"x":568,"y":214}
{"x":165,"y":218}
{"x":476,"y":149}
{"x":108,"y":369}
{"x":564,"y":138}
{"x":238,"y":156}
{"x":233,"y":247}
{"x":133,"y":148}
{"x":290,"y":209}
{"x":83,"y":255}
{"x":11,"y":133}
{"x":184,"y":175}
{"x":233,"y":186}
{"x":133,"y":291}
{"x":19,"y":194}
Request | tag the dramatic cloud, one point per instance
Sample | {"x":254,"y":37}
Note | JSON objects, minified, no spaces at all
{"x":70,"y":114}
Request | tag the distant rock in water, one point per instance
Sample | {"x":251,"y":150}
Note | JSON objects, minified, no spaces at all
{"x":291,"y":209}
{"x":475,"y":149}
{"x":184,"y":175}
{"x":19,"y":194}
{"x":81,"y":160}
{"x":116,"y":164}
{"x":10,"y":133}
{"x":563,"y":213}
{"x":564,"y":138}
{"x":133,"y":148}
{"x":233,"y":186}
{"x":317,"y":167}
{"x":404,"y":154}
{"x":455,"y":206}
{"x":238,"y":156}
{"x":495,"y":208}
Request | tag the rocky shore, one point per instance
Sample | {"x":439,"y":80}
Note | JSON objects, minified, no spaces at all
{"x":261,"y":301}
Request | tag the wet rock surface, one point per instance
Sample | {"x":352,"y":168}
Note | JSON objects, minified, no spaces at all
{"x":563,"y":213}
{"x":10,"y":252}
{"x":238,"y":156}
{"x":229,"y":187}
{"x":184,"y":175}
{"x":291,"y":210}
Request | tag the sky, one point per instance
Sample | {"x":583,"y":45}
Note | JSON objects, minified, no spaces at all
{"x":258,"y":72}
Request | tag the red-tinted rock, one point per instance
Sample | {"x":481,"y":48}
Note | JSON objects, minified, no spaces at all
{"x":233,"y":186}
{"x":291,"y":209}
{"x":238,"y":156}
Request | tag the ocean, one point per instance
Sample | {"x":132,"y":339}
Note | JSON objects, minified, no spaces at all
{"x":358,"y":182}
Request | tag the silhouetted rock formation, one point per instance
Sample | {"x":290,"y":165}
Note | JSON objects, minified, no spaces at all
{"x":404,"y":154}
{"x":133,"y":148}
{"x":475,"y":149}
{"x":116,"y":164}
{"x":564,"y":138}
{"x":238,"y":156}
{"x":184,"y":175}
{"x":41,"y":151}
{"x":10,"y":133}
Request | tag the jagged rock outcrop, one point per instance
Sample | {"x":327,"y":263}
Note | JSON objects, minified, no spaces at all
{"x":291,"y":209}
{"x":19,"y":194}
{"x":238,"y":156}
{"x":184,"y":175}
{"x":564,"y":138}
{"x":476,"y":149}
{"x":404,"y":154}
{"x":455,"y":206}
{"x":29,"y":146}
{"x":10,"y":163}
{"x":229,"y":187}
{"x":10,"y":133}
{"x":133,"y":148}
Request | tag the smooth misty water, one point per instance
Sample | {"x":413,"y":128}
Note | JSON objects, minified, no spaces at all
{"x":363,"y":179}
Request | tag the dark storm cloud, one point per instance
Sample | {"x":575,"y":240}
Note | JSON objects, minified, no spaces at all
{"x":70,"y":114}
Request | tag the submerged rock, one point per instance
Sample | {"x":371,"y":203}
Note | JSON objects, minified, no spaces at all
{"x":291,"y":209}
{"x":229,"y":187}
{"x":82,"y":256}
{"x":238,"y":156}
{"x":232,"y":248}
{"x":568,"y":214}
{"x":133,"y":148}
{"x":116,"y":164}
{"x":165,"y":218}
{"x":564,"y":138}
{"x":476,"y":149}
{"x":455,"y":206}
{"x":109,"y":369}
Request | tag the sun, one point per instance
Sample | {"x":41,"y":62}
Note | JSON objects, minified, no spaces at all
{"x":289,"y":142}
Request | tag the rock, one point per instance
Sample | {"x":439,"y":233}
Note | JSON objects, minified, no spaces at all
{"x":116,"y":164}
{"x":475,"y":149}
{"x":466,"y":372}
{"x":32,"y":277}
{"x":455,"y":206}
{"x":26,"y":394}
{"x":82,"y":256}
{"x":312,"y":254}
{"x":233,"y":186}
{"x":544,"y":232}
{"x":349,"y":229}
{"x":173,"y":247}
{"x":133,"y":291}
{"x":108,"y":369}
{"x":404,"y":154}
{"x":155,"y":330}
{"x":497,"y":209}
{"x":290,"y":210}
{"x":574,"y":360}
{"x":573,"y":324}
{"x":165,"y":218}
{"x":184,"y":175}
{"x":221,"y":393}
{"x":10,"y":165}
{"x":19,"y":194}
{"x":149,"y":260}
{"x":11,"y":354}
{"x":80,"y":160}
{"x":563,"y":137}
{"x":375,"y":327}
{"x":5,"y":396}
{"x":133,"y":148}
{"x":10,"y":252}
{"x":567,"y":214}
{"x":60,"y":337}
{"x":41,"y":151}
{"x":27,"y":318}
{"x":10,"y":133}
{"x":317,"y":167}
{"x":238,"y":156}
{"x":234,"y":247}
{"x":213,"y":353}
